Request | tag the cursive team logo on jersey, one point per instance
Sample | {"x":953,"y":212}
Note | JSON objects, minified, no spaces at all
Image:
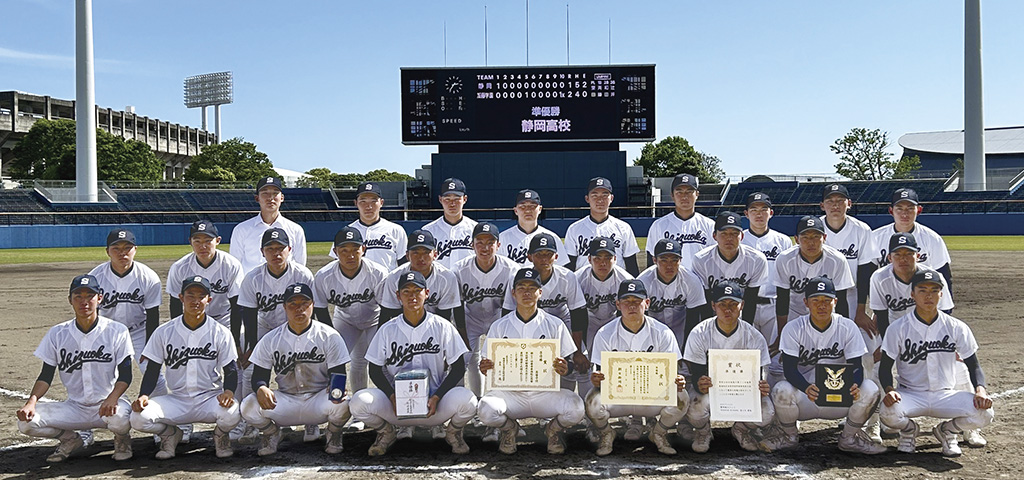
{"x":771,"y":254}
{"x":445,"y":248}
{"x":472,"y":295}
{"x":553,"y":302}
{"x":72,"y":361}
{"x":516,"y":253}
{"x":697,"y":237}
{"x":649,"y":349}
{"x":850,"y":252}
{"x":713,"y":281}
{"x":267,"y":303}
{"x":285,"y":362}
{"x":914,"y":352}
{"x":378,"y":243}
{"x":583,"y":244}
{"x":659,"y":305}
{"x":898,"y":304}
{"x":342,"y":299}
{"x":813,"y":355}
{"x":799,"y":285}
{"x":595,"y":301}
{"x":402,"y":354}
{"x":179,"y":357}
{"x":112,"y":298}
{"x":219,"y":287}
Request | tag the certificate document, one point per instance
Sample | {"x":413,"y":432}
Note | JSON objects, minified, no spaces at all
{"x":735,"y":396}
{"x":523,"y":364}
{"x":638,"y":378}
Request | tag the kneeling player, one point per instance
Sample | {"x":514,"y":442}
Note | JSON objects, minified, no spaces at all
{"x":634,"y":332}
{"x":304,"y":354}
{"x":93,"y":354}
{"x":923,"y":345}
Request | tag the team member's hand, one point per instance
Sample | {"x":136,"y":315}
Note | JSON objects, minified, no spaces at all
{"x":485,"y":365}
{"x":140,"y":403}
{"x":109,"y":407}
{"x":243,"y":360}
{"x":892,"y":397}
{"x":28,"y":412}
{"x":877,"y":356}
{"x":704,"y":383}
{"x":561,"y":367}
{"x":866,"y":323}
{"x":812,"y":392}
{"x":763,"y":386}
{"x":432,"y":405}
{"x":596,"y":378}
{"x":680,"y":383}
{"x":773,"y":349}
{"x":981,"y":400}
{"x":581,"y":361}
{"x":854,"y":391}
{"x":226,"y":399}
{"x":266,"y":398}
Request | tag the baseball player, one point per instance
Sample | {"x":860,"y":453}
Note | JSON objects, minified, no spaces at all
{"x":822,"y":336}
{"x":416,"y":340}
{"x":224,"y":272}
{"x":601,"y":224}
{"x":904,"y":209}
{"x":304,"y":354}
{"x":453,"y":230}
{"x":599,"y":281}
{"x":691,"y":230}
{"x":502,"y":409}
{"x":924,"y":347}
{"x":771,"y":243}
{"x":634,"y":332}
{"x":852,"y":238}
{"x":891,"y":296}
{"x":724,"y":331}
{"x":245,"y":235}
{"x":385,"y":241}
{"x":93,"y":355}
{"x":201,"y":375}
{"x":444,"y":287}
{"x":675,"y":293}
{"x":515,"y":240}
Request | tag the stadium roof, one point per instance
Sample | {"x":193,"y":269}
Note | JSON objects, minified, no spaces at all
{"x":997,"y":140}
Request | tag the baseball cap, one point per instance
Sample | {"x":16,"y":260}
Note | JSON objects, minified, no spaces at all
{"x":685,"y":179}
{"x":528,"y":195}
{"x":485,"y":228}
{"x":413,"y":277}
{"x":527,"y":275}
{"x":758,"y":197}
{"x":632,"y":288}
{"x":453,"y":185}
{"x":542,"y":241}
{"x":727,"y":220}
{"x":601,"y":244}
{"x":348,"y":235}
{"x":87,"y":282}
{"x":727,"y":290}
{"x":275,"y":235}
{"x":903,"y":240}
{"x":422,"y":238}
{"x":820,"y":286}
{"x":369,"y":187}
{"x":809,"y":222}
{"x":599,"y":182}
{"x":834,"y":189}
{"x":925,"y":275}
{"x":203,"y":227}
{"x":197,"y":280}
{"x":298,"y":289}
{"x":120,"y":235}
{"x":668,"y":246}
{"x":904,"y":195}
{"x":268,"y":182}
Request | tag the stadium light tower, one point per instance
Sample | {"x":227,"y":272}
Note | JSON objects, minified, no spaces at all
{"x":86,"y":177}
{"x":210,"y":89}
{"x":974,"y":119}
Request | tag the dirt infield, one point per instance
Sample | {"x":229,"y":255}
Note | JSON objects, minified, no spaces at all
{"x":989,"y":296}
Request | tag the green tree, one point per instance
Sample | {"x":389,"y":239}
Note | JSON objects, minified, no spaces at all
{"x":381,"y":175}
{"x":711,"y":169}
{"x":129,"y":160}
{"x":236,"y":157}
{"x":320,"y":177}
{"x":674,"y":155}
{"x":862,"y":156}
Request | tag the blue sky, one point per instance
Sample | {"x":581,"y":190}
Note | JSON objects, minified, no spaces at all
{"x":765,"y":86}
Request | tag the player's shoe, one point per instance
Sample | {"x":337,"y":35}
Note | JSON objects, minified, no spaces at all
{"x":249,"y":435}
{"x":508,"y":435}
{"x":635,"y":430}
{"x":874,"y":432}
{"x":556,"y":444}
{"x":270,"y":438}
{"x":744,"y":436}
{"x":186,"y":432}
{"x":334,"y":440}
{"x":87,"y":438}
{"x":70,"y":441}
{"x":404,"y":432}
{"x":908,"y":438}
{"x":593,"y":435}
{"x":702,"y":439}
{"x":222,"y":443}
{"x":437,"y":432}
{"x":169,"y":440}
{"x":386,"y":437}
{"x":490,"y":435}
{"x":859,"y":442}
{"x":685,"y":431}
{"x":974,"y":438}
{"x":236,"y":432}
{"x":950,"y":446}
{"x":660,"y":440}
{"x":454,"y":438}
{"x":776,"y":437}
{"x":606,"y":438}
{"x":311,"y":434}
{"x":122,"y":447}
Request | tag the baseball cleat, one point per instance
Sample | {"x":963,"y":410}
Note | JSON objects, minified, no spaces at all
{"x":948,"y":441}
{"x":437,"y":432}
{"x":404,"y":432}
{"x":859,"y":442}
{"x":87,"y":438}
{"x":974,"y":438}
{"x":122,"y":447}
{"x":744,"y":436}
{"x":386,"y":437}
{"x":222,"y":443}
{"x":311,"y":434}
{"x":635,"y":430}
{"x":249,"y":435}
{"x":659,"y":439}
{"x":702,"y":439}
{"x":507,"y":440}
{"x":606,"y":438}
{"x":490,"y":435}
{"x":70,"y":441}
{"x":908,"y":438}
{"x":169,"y":440}
{"x":454,"y":438}
{"x":270,"y":438}
{"x":186,"y":433}
{"x":334,"y":441}
{"x":556,"y":444}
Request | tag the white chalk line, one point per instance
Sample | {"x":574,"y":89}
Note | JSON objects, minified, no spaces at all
{"x":24,"y":396}
{"x":1007,"y":393}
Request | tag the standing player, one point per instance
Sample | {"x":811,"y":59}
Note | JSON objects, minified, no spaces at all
{"x":304,"y":354}
{"x":724,"y":331}
{"x":502,"y":409}
{"x":854,"y":240}
{"x":691,"y":230}
{"x":634,"y":332}
{"x":245,"y":235}
{"x":444,"y":287}
{"x":771,"y":243}
{"x":905,"y":209}
{"x":416,"y":340}
{"x":94,"y":357}
{"x":821,"y":337}
{"x":891,"y":295}
{"x":601,"y":224}
{"x":924,"y":346}
{"x":599,"y":281}
{"x":224,"y":272}
{"x":453,"y":231}
{"x":384,"y":240}
{"x":515,"y":240}
{"x":201,"y":375}
{"x":675,"y":293}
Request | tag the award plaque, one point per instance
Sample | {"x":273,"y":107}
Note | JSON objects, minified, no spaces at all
{"x":522,"y":364}
{"x":734,"y":395}
{"x":833,"y":381}
{"x":411,"y":394}
{"x":336,"y":391}
{"x":639,"y":378}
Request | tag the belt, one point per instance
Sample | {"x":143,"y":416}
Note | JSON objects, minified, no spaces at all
{"x":764,"y":301}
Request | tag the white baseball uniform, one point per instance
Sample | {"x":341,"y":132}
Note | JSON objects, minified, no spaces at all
{"x":125,"y":298}
{"x":693,"y":234}
{"x":515,"y":243}
{"x":582,"y":231}
{"x":442,"y":284}
{"x":794,"y":272}
{"x":265,"y":292}
{"x":669,"y":301}
{"x":482,"y":296}
{"x":600,"y":297}
{"x":454,"y":242}
{"x":890,"y":293}
{"x":933,"y":252}
{"x":749,"y":268}
{"x":225,"y":275}
{"x":247,"y":236}
{"x":855,"y":241}
{"x":385,"y":242}
{"x":771,"y":244}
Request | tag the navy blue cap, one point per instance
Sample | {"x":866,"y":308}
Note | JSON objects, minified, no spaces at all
{"x":925,"y":275}
{"x":632,"y":288}
{"x":527,"y":275}
{"x":810,"y":222}
{"x":903,"y":240}
{"x":834,"y":189}
{"x":528,"y":195}
{"x":727,"y":290}
{"x":542,"y":241}
{"x":685,"y":179}
{"x":820,"y":286}
{"x":667,"y":245}
{"x":269,"y":182}
{"x":485,"y":228}
{"x":413,"y":277}
{"x":599,"y":182}
{"x":120,"y":235}
{"x":348,"y":235}
{"x":203,"y":227}
{"x":197,"y":280}
{"x":369,"y":187}
{"x":601,"y":244}
{"x":298,"y":289}
{"x":453,"y":185}
{"x":422,"y":238}
{"x":727,"y":220}
{"x":759,"y":197}
{"x":275,"y":235}
{"x":905,"y":195}
{"x":87,"y":282}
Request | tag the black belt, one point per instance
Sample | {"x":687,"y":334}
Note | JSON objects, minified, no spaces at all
{"x":764,"y":301}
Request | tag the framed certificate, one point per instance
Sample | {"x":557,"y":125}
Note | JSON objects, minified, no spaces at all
{"x":639,"y":378}
{"x":735,"y":396}
{"x":834,"y":381}
{"x":523,"y":364}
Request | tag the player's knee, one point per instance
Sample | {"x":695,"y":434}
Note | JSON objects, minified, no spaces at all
{"x":784,"y":394}
{"x":491,"y":411}
{"x":891,"y":417}
{"x":139,"y":421}
{"x":27,"y":428}
{"x":984,"y":417}
{"x":868,"y":393}
{"x":572,"y":410}
{"x":251,"y":411}
{"x":361,"y":404}
{"x":118,"y":424}
{"x":338,"y":413}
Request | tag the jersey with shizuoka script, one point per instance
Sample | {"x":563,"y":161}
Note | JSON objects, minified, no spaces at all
{"x":301,"y":360}
{"x":559,"y":295}
{"x":669,"y":301}
{"x":356,"y":300}
{"x":483,"y":292}
{"x":793,"y":272}
{"x":224,"y":273}
{"x":854,"y":240}
{"x":600,"y":296}
{"x":543,"y":326}
{"x":653,"y":336}
{"x":432,"y":345}
{"x":454,"y":242}
{"x":125,"y":298}
{"x":840,"y":341}
{"x":582,"y":231}
{"x":515,"y":243}
{"x":749,"y":268}
{"x":193,"y":360}
{"x":265,"y":292}
{"x":771,"y":244}
{"x":385,"y":242}
{"x":890,"y":293}
{"x":87,"y":362}
{"x":693,"y":234}
{"x":707,"y":335}
{"x":442,"y":284}
{"x":933,"y":252}
{"x":926,"y":355}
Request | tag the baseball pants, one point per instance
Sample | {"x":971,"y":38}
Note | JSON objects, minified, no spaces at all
{"x":372,"y":407}
{"x":474,"y":379}
{"x":497,"y":406}
{"x":357,"y":340}
{"x":792,"y":405}
{"x":599,"y":413}
{"x":173,"y":409}
{"x":292,"y":410}
{"x":53,"y":418}
{"x":955,"y":404}
{"x":138,"y":343}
